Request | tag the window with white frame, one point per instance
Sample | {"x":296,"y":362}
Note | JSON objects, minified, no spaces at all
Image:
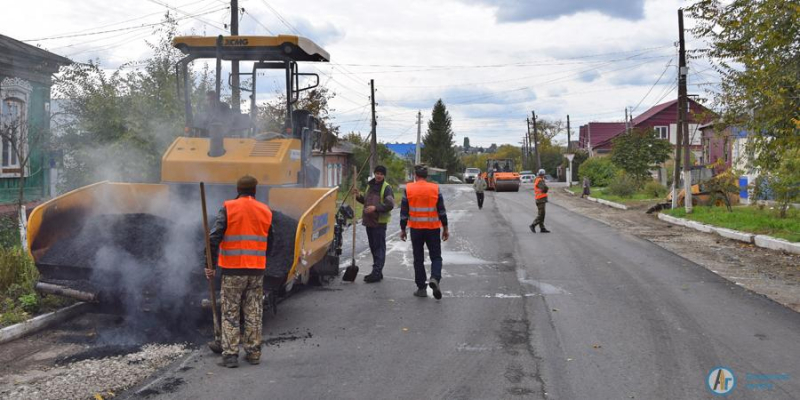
{"x":14,"y":99}
{"x":662,"y":132}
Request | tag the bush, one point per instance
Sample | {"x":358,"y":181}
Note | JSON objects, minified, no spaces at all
{"x":600,"y":170}
{"x":655,"y":190}
{"x":17,"y":270}
{"x":623,"y":185}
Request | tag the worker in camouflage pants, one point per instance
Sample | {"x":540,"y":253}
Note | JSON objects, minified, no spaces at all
{"x":240,"y":242}
{"x":247,"y":291}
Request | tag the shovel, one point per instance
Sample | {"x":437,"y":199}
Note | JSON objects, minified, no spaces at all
{"x":351,"y":272}
{"x":210,"y":265}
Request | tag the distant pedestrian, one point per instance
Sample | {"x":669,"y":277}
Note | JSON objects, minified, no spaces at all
{"x":378,"y":201}
{"x":540,"y":190}
{"x":422,"y":210}
{"x":242,"y":237}
{"x":479,"y":185}
{"x":586,"y":184}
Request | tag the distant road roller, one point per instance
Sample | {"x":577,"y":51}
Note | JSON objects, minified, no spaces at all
{"x":501,"y":176}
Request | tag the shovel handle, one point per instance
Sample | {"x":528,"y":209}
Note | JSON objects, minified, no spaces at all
{"x":209,"y":264}
{"x":355,"y":178}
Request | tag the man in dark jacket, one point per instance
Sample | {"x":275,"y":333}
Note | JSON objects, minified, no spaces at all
{"x":378,"y":201}
{"x":240,"y":241}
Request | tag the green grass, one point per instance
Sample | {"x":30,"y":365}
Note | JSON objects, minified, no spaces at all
{"x":750,"y":219}
{"x":599,"y":193}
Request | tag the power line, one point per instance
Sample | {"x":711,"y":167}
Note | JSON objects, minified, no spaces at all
{"x":116,"y":30}
{"x":666,"y":67}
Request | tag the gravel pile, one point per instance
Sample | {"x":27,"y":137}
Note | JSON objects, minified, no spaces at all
{"x":106,"y":376}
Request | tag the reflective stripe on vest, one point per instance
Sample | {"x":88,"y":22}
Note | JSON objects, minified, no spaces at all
{"x":422,"y":198}
{"x":538,"y":193}
{"x":384,"y":218}
{"x":245,"y":242}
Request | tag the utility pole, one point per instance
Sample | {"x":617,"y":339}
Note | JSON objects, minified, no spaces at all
{"x":524,"y":152}
{"x":536,"y":143}
{"x":528,"y":125}
{"x":418,"y":153}
{"x":627,"y":126}
{"x":235,"y":98}
{"x":373,"y":147}
{"x":569,"y":142}
{"x":682,"y":117}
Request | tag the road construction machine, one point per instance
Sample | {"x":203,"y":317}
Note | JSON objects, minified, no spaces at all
{"x":500,"y":175}
{"x":708,"y":189}
{"x":80,"y":239}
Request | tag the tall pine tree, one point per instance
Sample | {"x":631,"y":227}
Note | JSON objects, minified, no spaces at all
{"x":439,"y":145}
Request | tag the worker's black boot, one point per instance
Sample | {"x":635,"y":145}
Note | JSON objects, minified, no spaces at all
{"x":437,"y":291}
{"x":421,"y":292}
{"x":373,"y":277}
{"x":543,"y":230}
{"x":215,"y":346}
{"x":533,"y":228}
{"x":230,"y":361}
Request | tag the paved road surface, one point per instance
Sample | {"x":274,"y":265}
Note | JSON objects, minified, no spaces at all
{"x":586,"y":312}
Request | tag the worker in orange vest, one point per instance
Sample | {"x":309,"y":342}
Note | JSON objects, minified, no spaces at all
{"x":240,"y":243}
{"x":422,"y":210}
{"x":540,"y":193}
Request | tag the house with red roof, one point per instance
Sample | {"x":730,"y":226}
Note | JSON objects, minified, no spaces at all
{"x":663,"y":118}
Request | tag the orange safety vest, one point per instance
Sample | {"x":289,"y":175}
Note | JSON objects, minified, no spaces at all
{"x":245,"y":241}
{"x":538,"y":193}
{"x":422,"y":198}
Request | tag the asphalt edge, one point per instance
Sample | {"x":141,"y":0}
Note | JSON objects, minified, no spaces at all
{"x":763,"y":241}
{"x":41,"y":322}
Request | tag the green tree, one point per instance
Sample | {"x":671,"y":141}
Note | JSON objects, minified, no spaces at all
{"x":272,"y":115}
{"x":638,"y":151}
{"x":600,"y":171}
{"x":439,"y":150}
{"x":754,"y":47}
{"x":123,"y":120}
{"x":396,"y":166}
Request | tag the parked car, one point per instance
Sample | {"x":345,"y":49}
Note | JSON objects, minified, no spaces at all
{"x":453,"y":179}
{"x":527,"y":178}
{"x":470,"y":174}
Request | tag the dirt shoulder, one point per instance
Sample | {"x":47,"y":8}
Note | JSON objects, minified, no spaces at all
{"x":767,"y":272}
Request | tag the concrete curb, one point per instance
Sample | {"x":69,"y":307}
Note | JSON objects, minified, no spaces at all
{"x":777,"y":244}
{"x":569,"y":192}
{"x":764,"y":241}
{"x":43,"y":321}
{"x":608,"y":203}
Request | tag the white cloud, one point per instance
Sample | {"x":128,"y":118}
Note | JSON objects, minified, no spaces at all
{"x":559,"y":57}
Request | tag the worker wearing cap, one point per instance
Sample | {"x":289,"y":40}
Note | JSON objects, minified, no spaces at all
{"x":422,"y":210}
{"x":540,"y":193}
{"x":378,"y":202}
{"x":240,"y":242}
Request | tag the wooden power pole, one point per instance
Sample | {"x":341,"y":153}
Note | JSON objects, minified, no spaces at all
{"x":682,"y":115}
{"x":418,"y":153}
{"x":373,"y":147}
{"x":536,"y":144}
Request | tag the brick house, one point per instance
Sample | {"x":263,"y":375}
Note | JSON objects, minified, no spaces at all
{"x":663,"y":118}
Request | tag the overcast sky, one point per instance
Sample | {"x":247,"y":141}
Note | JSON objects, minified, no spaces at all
{"x":491,"y":61}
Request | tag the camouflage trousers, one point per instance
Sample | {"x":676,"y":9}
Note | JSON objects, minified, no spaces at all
{"x":242,"y":294}
{"x":540,"y":214}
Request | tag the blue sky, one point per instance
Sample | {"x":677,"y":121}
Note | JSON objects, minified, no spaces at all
{"x":490,"y":61}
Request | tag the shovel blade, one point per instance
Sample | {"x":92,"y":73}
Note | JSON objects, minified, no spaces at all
{"x":350,"y":273}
